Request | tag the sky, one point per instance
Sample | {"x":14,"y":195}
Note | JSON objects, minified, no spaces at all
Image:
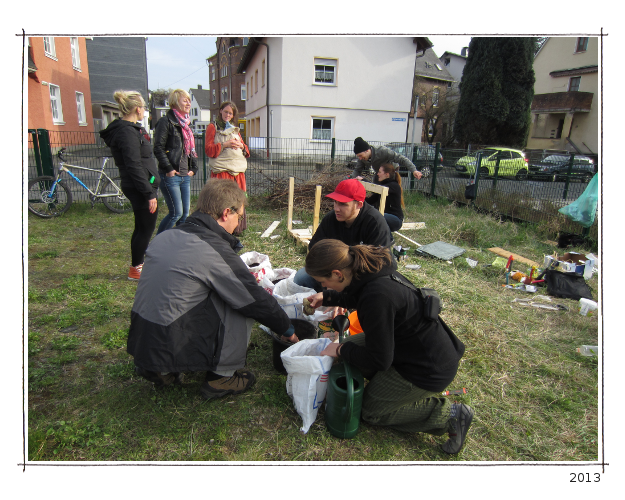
{"x":180,"y":61}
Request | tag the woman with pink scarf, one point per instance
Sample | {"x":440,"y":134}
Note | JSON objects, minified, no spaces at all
{"x":174,"y":148}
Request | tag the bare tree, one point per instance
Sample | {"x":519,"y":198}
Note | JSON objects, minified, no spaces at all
{"x":438,"y":103}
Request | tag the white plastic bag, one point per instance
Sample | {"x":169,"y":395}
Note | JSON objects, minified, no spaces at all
{"x":307,"y":379}
{"x":262,"y":267}
{"x":281,"y":273}
{"x":290,"y":296}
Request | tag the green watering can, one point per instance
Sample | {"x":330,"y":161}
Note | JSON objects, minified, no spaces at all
{"x":346,"y":386}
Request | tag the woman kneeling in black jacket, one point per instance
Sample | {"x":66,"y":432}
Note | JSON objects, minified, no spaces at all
{"x":407,"y":352}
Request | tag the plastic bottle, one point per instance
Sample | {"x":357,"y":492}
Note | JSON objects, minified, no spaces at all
{"x":588,"y":350}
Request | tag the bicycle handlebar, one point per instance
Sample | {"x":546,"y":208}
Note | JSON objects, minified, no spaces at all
{"x":61,"y":153}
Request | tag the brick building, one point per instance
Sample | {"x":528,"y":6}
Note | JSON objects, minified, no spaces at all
{"x":225,"y":83}
{"x":59,"y":96}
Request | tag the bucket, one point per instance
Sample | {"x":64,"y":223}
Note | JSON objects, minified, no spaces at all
{"x":346,"y":387}
{"x":587,"y":306}
{"x":303,"y":329}
{"x":354,"y":324}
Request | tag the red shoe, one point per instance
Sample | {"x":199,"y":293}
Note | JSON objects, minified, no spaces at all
{"x":134,"y":273}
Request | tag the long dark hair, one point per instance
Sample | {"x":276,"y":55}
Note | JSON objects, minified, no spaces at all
{"x":389,"y":168}
{"x":328,"y":255}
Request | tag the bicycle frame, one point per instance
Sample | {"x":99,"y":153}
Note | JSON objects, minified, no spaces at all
{"x":95,"y":195}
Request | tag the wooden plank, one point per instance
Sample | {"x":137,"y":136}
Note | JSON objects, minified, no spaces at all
{"x":406,"y":238}
{"x":289,"y":220}
{"x":504,"y":253}
{"x":317,"y":208}
{"x":381,"y":190}
{"x":270,"y":229}
{"x":413,"y":225}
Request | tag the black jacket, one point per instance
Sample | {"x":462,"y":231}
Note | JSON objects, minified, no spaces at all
{"x":132,"y":151}
{"x":424,"y":352}
{"x":393,"y":198}
{"x":168,"y":144}
{"x":379,"y":156}
{"x":369,"y":228}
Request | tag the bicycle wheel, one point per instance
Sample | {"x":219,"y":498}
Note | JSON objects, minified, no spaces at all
{"x":44,"y":204}
{"x":119,"y":203}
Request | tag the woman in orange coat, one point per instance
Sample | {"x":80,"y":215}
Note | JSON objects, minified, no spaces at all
{"x":226,"y":151}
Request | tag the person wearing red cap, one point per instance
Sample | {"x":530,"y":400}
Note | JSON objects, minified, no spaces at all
{"x":375,"y":157}
{"x":352,"y":221}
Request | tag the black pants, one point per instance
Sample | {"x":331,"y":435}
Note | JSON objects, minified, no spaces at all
{"x":145,"y":222}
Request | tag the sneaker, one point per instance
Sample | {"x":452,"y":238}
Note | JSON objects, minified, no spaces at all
{"x":240,"y":382}
{"x":159,"y":379}
{"x":460,"y":423}
{"x":134,"y":273}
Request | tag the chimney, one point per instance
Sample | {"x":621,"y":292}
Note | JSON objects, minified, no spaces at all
{"x":465,"y":52}
{"x":199,"y":87}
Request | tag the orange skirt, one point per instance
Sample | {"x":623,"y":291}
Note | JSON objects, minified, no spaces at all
{"x":239,"y":179}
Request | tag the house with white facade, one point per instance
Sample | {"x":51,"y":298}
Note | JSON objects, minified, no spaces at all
{"x":454,"y":63}
{"x":565,"y":108}
{"x":200,"y":113}
{"x":319,"y":88}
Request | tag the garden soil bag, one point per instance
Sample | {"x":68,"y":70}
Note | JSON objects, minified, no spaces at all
{"x":307,"y":379}
{"x":567,"y":285}
{"x":258,"y":264}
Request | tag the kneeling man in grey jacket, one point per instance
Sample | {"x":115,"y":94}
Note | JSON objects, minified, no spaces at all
{"x":196,"y":300}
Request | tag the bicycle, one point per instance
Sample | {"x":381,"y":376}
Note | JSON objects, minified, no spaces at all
{"x":49,"y":196}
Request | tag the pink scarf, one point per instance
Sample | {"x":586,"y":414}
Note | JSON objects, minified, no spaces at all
{"x":187,"y":134}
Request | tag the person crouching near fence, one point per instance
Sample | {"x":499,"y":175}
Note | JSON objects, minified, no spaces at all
{"x":196,"y":301}
{"x":389,"y":177}
{"x":406,"y":350}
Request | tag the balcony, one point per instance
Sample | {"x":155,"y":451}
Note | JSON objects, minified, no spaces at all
{"x":562,"y":102}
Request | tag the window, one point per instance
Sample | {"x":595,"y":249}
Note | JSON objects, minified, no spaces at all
{"x":55,"y":102}
{"x":252,"y":83}
{"x":256,"y":85}
{"x":322,"y":129}
{"x":438,"y":67}
{"x":243,"y":92}
{"x":212,"y":71}
{"x":447,"y":61}
{"x":245,"y":40}
{"x":223,"y":48}
{"x":435,"y":94}
{"x":224,"y":71}
{"x":582,"y":44}
{"x":224,"y":94}
{"x":75,"y":52}
{"x":48,"y":46}
{"x":325,"y":71}
{"x":263,"y":75}
{"x":214,"y":97}
{"x":574,"y":83}
{"x":80,"y":107}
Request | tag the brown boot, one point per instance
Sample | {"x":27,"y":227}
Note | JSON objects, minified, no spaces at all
{"x":240,"y":382}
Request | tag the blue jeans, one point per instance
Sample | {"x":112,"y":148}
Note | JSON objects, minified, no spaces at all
{"x":394,"y":222}
{"x":302,"y":278}
{"x":177,"y":193}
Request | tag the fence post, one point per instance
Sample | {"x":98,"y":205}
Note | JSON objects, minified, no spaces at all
{"x":568,"y":177}
{"x":478,"y":164}
{"x":438,"y":150}
{"x":45,"y":152}
{"x":333,"y":151}
{"x":496,"y":169}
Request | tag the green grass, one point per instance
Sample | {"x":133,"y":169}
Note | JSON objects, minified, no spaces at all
{"x":535,"y":399}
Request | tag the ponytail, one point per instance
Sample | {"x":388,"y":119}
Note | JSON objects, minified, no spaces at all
{"x":328,"y":255}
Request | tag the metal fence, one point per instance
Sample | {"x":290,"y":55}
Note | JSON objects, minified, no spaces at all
{"x":271,"y":159}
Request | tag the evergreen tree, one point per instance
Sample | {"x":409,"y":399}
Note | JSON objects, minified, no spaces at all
{"x":496,"y":92}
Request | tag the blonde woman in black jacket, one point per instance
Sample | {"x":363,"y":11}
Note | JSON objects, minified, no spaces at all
{"x":132,"y":151}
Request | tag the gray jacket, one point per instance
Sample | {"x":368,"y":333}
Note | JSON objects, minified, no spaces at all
{"x":380,"y":156}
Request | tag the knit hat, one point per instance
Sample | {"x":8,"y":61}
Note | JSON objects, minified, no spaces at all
{"x":348,"y":190}
{"x":360,"y":145}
